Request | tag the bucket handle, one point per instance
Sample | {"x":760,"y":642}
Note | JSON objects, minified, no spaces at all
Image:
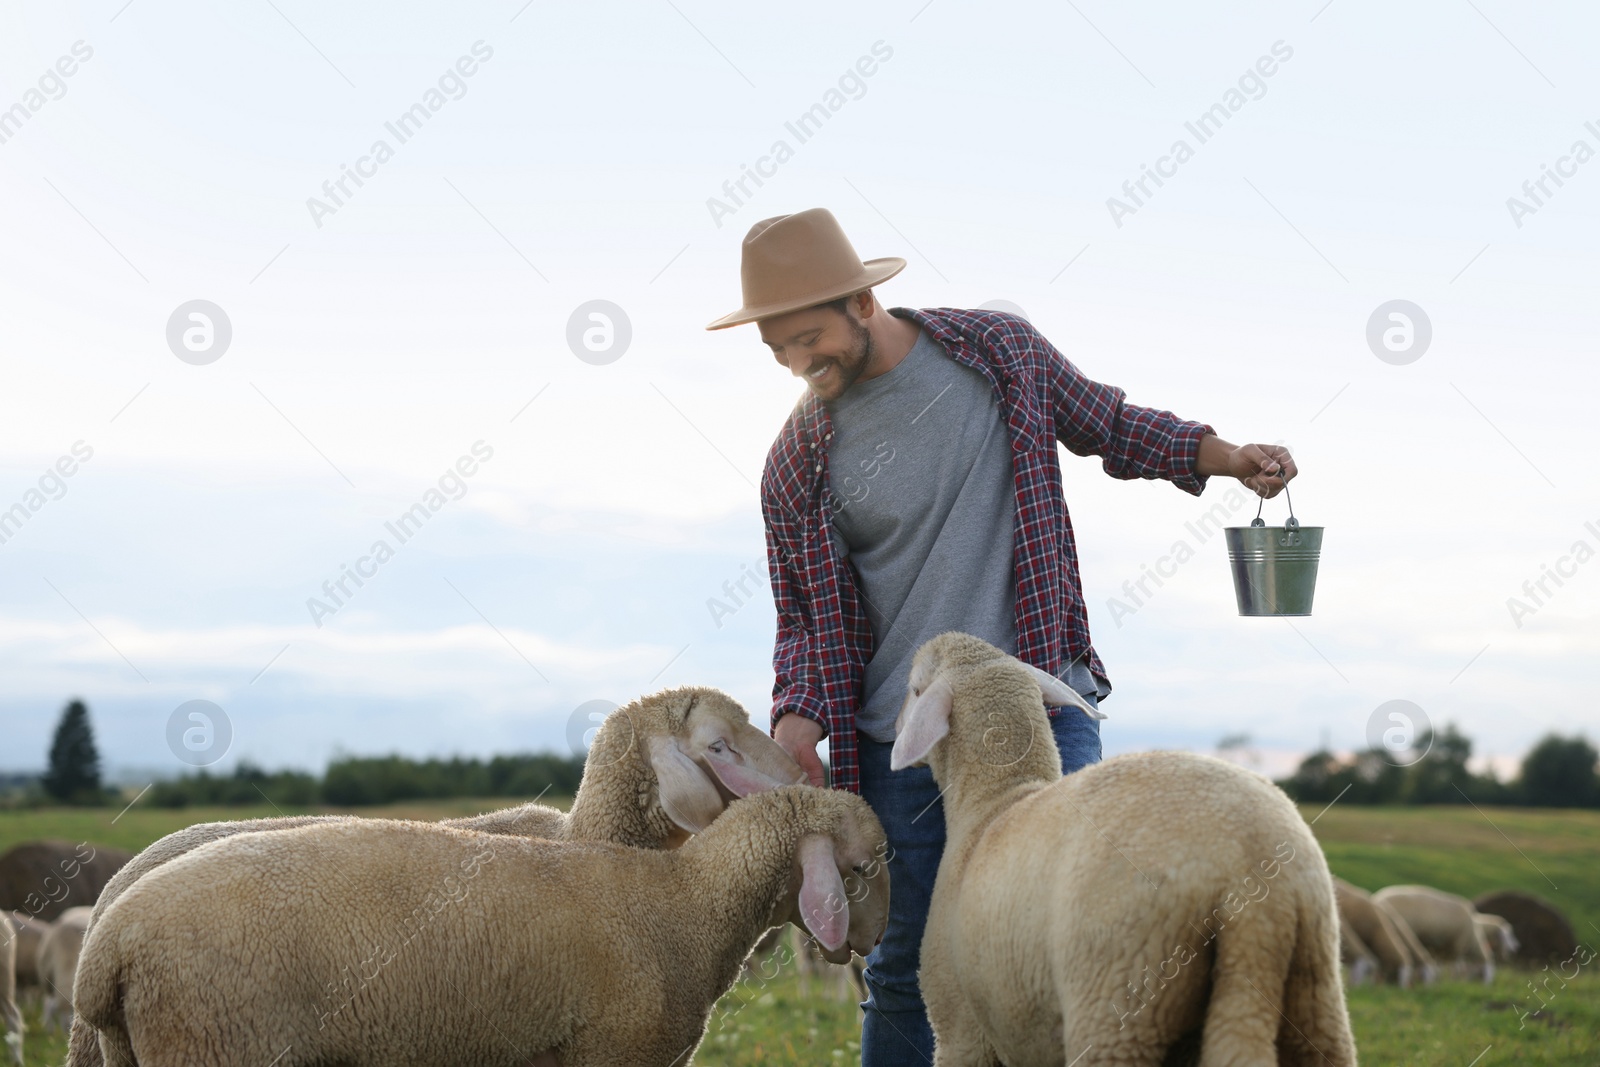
{"x":1291,"y":526}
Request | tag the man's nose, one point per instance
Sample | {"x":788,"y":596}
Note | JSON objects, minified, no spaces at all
{"x":799,"y":363}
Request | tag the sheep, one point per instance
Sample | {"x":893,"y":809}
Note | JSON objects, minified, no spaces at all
{"x":1443,"y":923}
{"x":1061,"y":904}
{"x":251,"y":949}
{"x":1354,"y":954}
{"x":660,"y":767}
{"x":1401,"y":959}
{"x":58,"y":964}
{"x":10,"y":1015}
{"x":1498,"y":933}
{"x":30,"y":930}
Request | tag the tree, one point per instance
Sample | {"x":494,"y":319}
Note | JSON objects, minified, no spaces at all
{"x":74,"y":773}
{"x":1559,"y":772}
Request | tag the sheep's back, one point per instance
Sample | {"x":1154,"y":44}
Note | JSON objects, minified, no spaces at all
{"x":1127,"y":870}
{"x":348,"y":939}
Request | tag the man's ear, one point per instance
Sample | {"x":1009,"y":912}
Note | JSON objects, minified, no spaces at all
{"x":925,"y":723}
{"x":687,"y":795}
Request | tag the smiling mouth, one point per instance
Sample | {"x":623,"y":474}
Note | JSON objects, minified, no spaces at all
{"x":820,"y":373}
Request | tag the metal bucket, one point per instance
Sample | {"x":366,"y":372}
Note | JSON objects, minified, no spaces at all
{"x":1274,"y":567}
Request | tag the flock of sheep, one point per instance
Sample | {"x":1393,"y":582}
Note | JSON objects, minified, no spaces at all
{"x":1402,"y":934}
{"x":1143,"y":904}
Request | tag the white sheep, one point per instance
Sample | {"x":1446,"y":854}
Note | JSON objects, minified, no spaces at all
{"x":30,"y":931}
{"x":10,"y":1015}
{"x":1497,"y":932}
{"x":381,"y":942}
{"x":1118,"y":909}
{"x":1354,"y":954}
{"x":659,"y":768}
{"x":58,"y":964}
{"x":1443,"y":922}
{"x":1401,"y":958}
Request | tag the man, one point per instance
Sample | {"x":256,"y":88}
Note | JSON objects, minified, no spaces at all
{"x":916,"y":489}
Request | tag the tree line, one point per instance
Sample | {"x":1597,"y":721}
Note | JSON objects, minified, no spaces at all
{"x":1558,"y":772}
{"x":73,"y":776}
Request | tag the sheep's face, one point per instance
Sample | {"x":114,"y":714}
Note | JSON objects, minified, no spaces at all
{"x":1001,"y":687}
{"x":839,"y":890}
{"x":709,"y":754}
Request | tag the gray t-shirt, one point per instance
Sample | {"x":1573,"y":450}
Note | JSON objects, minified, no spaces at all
{"x":923,"y":504}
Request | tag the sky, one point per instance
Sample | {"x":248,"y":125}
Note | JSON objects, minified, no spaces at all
{"x":421,"y":328}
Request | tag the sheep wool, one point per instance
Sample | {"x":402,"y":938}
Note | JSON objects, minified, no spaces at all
{"x":1443,"y":922}
{"x":619,"y":799}
{"x":1124,"y":907}
{"x":395,"y":942}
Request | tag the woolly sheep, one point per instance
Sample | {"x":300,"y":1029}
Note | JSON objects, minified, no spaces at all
{"x":1443,"y":923}
{"x":10,"y":1015}
{"x":659,"y":768}
{"x":1498,"y":933}
{"x":1385,"y":933}
{"x":1061,"y":904}
{"x":455,"y":947}
{"x":1354,"y":954}
{"x":58,"y":964}
{"x":30,"y":931}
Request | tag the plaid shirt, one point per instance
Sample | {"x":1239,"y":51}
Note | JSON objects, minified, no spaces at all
{"x":824,"y":639}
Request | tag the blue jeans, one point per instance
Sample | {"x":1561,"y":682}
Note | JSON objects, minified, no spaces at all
{"x":895,"y":1030}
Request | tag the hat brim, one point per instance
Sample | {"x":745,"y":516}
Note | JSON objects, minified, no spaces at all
{"x":874,"y":272}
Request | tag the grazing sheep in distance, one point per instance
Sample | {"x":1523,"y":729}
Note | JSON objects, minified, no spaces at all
{"x":1443,"y":923}
{"x":451,"y":947}
{"x":58,"y":964}
{"x":659,"y":768}
{"x":1386,"y":934}
{"x":1121,"y":907}
{"x":10,"y":1015}
{"x":1497,"y":932}
{"x":30,"y":932}
{"x":1354,"y":954}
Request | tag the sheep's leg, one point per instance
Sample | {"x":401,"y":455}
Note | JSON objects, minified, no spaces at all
{"x":1314,"y":1006}
{"x":1247,"y":988}
{"x":83,"y":1047}
{"x":958,"y":1037}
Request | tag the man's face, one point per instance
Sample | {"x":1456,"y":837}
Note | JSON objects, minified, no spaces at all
{"x":825,"y":348}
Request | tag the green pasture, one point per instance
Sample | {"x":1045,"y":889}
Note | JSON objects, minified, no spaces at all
{"x":1555,"y":854}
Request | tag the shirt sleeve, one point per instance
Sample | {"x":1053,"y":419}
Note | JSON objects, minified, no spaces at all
{"x":1095,"y":419}
{"x":794,"y":656}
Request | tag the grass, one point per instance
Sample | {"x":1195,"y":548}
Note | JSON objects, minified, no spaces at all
{"x":1452,"y":1024}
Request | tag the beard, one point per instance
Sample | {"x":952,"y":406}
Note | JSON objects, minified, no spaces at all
{"x":850,"y":364}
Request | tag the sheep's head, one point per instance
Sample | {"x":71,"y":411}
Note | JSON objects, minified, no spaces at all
{"x":839,"y":890}
{"x":699,"y":748}
{"x":994,"y":704}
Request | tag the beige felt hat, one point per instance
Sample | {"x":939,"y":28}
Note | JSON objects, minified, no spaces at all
{"x":798,"y":261}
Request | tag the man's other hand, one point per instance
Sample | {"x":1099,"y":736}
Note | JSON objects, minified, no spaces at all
{"x":798,"y":736}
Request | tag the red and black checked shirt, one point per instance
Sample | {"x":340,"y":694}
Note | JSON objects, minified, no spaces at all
{"x":824,"y":639}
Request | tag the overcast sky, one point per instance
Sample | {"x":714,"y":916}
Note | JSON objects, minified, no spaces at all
{"x":158,"y":153}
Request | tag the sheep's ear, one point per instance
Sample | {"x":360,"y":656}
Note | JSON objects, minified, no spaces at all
{"x":687,"y":795}
{"x":1061,"y":694}
{"x":925,"y":724}
{"x":823,"y":905}
{"x":741,"y":779}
